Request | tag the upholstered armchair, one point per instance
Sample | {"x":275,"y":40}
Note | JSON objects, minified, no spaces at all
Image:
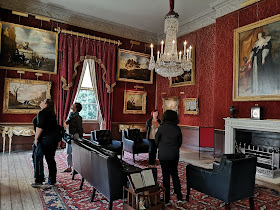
{"x":104,"y":139}
{"x":231,"y":180}
{"x":133,"y":142}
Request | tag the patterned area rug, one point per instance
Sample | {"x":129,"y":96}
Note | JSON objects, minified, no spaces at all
{"x":66,"y":193}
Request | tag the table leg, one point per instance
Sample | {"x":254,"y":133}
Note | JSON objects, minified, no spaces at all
{"x":4,"y":140}
{"x":10,"y":144}
{"x":10,"y":134}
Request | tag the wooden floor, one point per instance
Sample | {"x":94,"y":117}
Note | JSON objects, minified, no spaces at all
{"x":15,"y":178}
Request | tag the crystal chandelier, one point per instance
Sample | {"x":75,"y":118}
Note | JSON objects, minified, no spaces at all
{"x":169,"y":62}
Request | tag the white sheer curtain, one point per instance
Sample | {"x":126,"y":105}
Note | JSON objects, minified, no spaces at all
{"x":90,"y":64}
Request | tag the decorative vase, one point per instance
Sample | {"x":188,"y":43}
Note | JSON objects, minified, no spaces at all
{"x":232,"y":111}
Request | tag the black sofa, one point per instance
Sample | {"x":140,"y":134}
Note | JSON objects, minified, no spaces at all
{"x":231,"y":180}
{"x":102,"y":169}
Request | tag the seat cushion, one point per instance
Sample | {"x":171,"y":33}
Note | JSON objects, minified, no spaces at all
{"x":142,"y":146}
{"x":115,"y":146}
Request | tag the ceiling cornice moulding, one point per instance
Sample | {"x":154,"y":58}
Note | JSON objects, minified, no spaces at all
{"x":60,"y":14}
{"x":217,"y":9}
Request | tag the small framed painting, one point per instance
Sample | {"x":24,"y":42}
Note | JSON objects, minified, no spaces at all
{"x":171,"y":103}
{"x":187,"y":78}
{"x":24,"y":96}
{"x":134,"y":102}
{"x":134,"y":67}
{"x":190,"y":106}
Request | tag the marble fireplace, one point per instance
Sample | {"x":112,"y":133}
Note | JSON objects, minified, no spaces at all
{"x":255,"y":137}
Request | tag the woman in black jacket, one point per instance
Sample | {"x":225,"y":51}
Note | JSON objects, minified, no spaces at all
{"x":169,"y":140}
{"x":152,"y":125}
{"x":46,"y":139}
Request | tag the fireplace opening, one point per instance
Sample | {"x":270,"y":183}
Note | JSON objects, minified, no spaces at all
{"x":264,"y":145}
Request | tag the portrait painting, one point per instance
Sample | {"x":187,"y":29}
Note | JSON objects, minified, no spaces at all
{"x":28,"y":49}
{"x":257,"y":61}
{"x":134,"y":102}
{"x":171,"y":103}
{"x":190,"y":105}
{"x":187,"y":78}
{"x":24,"y":96}
{"x":134,"y":67}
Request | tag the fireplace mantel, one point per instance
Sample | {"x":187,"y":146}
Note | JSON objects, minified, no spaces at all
{"x":247,"y":124}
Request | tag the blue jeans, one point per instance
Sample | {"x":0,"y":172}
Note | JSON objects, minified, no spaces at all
{"x":69,"y":155}
{"x":37,"y":155}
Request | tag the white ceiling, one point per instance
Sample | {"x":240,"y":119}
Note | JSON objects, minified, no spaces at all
{"x":147,"y":15}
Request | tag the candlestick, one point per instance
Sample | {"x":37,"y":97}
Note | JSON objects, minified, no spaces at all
{"x":173,"y":45}
{"x":157,"y":55}
{"x":188,"y":51}
{"x":185,"y":45}
{"x":151,"y":50}
{"x":162,"y":42}
{"x":180,"y":54}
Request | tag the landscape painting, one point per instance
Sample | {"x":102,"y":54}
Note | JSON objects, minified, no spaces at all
{"x":24,"y":96}
{"x":28,"y":49}
{"x":134,"y":67}
{"x":134,"y":102}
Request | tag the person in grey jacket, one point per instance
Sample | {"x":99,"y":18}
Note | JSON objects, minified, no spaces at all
{"x":169,"y":140}
{"x":152,"y":125}
{"x":74,"y":126}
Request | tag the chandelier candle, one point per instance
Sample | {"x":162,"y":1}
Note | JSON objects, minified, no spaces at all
{"x":152,"y":50}
{"x":185,"y":45}
{"x":162,"y":42}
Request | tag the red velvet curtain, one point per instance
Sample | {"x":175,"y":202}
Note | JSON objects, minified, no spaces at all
{"x":73,"y":50}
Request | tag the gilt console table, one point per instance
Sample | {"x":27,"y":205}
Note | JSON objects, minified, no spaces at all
{"x":15,"y":129}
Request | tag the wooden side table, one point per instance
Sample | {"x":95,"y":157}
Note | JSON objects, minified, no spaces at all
{"x":15,"y":130}
{"x":149,"y":197}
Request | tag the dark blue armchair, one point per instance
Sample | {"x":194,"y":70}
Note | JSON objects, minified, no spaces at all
{"x":104,"y":139}
{"x":133,"y":142}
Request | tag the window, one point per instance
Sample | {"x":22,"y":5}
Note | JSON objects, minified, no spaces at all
{"x":87,"y":98}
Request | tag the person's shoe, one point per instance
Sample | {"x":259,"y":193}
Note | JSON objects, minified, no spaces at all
{"x":67,"y":170}
{"x":74,"y":172}
{"x":36,"y":185}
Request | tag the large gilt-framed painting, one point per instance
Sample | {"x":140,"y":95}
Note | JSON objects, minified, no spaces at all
{"x":24,"y":96}
{"x":134,"y":67}
{"x":171,"y":103}
{"x":134,"y":102}
{"x":257,"y":61}
{"x":187,"y":78}
{"x":28,"y":49}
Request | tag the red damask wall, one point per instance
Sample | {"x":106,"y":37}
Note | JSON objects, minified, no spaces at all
{"x":223,"y":81}
{"x":214,"y":70}
{"x":204,"y":42}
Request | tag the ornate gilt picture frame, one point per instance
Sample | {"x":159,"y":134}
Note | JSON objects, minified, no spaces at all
{"x":187,"y":78}
{"x":171,"y":103}
{"x":256,"y":66}
{"x":134,"y":102}
{"x":24,"y":96}
{"x":134,"y":67}
{"x":28,"y":49}
{"x":191,"y":106}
